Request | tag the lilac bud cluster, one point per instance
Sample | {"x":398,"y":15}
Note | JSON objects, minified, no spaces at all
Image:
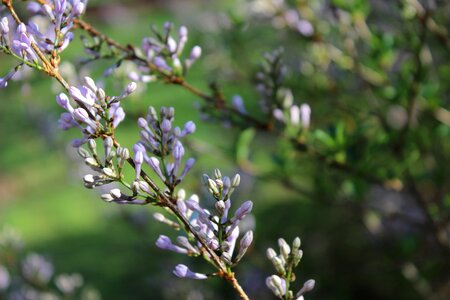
{"x":31,"y":276}
{"x":110,"y":169}
{"x":292,"y":116}
{"x":165,"y":52}
{"x":19,"y":40}
{"x":61,"y":13}
{"x":284,"y":264}
{"x":278,"y":100}
{"x":217,"y":229}
{"x":160,"y":146}
{"x":95,"y":114}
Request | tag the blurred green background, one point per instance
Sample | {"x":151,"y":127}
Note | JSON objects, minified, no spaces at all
{"x":42,"y":197}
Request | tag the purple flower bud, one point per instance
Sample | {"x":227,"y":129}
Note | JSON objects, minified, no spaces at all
{"x":90,"y":83}
{"x":131,"y":87}
{"x":178,"y":151}
{"x":187,"y":167}
{"x":142,"y":123}
{"x":21,"y":29}
{"x":183,"y":271}
{"x":213,"y":244}
{"x":81,"y":115}
{"x":67,"y":39}
{"x":242,"y":211}
{"x":189,"y":128}
{"x":144,"y":186}
{"x":78,"y":9}
{"x":64,"y":102}
{"x":181,"y":205}
{"x":277,"y":285}
{"x":78,"y":142}
{"x":164,"y":242}
{"x":166,"y":125}
{"x":138,"y":160}
{"x":196,"y":52}
{"x":82,"y":95}
{"x":4,"y":26}
{"x":307,"y":287}
{"x":154,"y":164}
{"x":161,"y":63}
{"x":183,"y":32}
{"x":171,"y":45}
{"x":245,"y":243}
{"x":231,"y":240}
{"x":183,"y":241}
{"x":118,"y":116}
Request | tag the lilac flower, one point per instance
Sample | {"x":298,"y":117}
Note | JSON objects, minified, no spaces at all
{"x":4,"y":26}
{"x":61,"y":16}
{"x":159,"y":137}
{"x":117,"y":113}
{"x":83,"y":95}
{"x":245,"y":243}
{"x":93,"y":116}
{"x":183,"y":271}
{"x":64,"y":102}
{"x":277,"y":285}
{"x":138,"y":160}
{"x":165,"y":243}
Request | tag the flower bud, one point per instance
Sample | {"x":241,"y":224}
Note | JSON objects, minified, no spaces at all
{"x":107,"y":197}
{"x":217,"y":174}
{"x":284,"y":248}
{"x":236,"y":181}
{"x":90,"y":83}
{"x":83,"y":152}
{"x":220,"y":207}
{"x":131,"y":87}
{"x":196,"y":52}
{"x":245,"y":243}
{"x":115,"y":193}
{"x":279,"y":266}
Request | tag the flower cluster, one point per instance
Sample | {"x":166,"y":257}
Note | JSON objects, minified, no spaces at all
{"x":164,"y":51}
{"x":160,"y":146}
{"x":284,"y":264}
{"x":218,"y":230}
{"x":24,"y":41}
{"x":17,"y":41}
{"x":279,"y":100}
{"x":96,"y":114}
{"x":61,"y":13}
